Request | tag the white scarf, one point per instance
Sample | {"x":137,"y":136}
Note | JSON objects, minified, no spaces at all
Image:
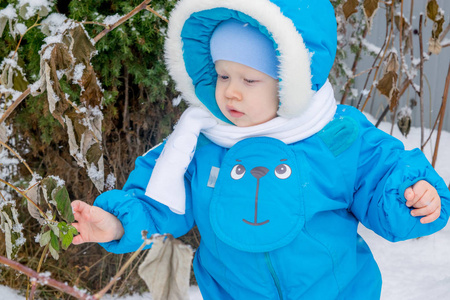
{"x":166,"y":184}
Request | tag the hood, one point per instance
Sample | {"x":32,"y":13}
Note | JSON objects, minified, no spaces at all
{"x":303,"y":33}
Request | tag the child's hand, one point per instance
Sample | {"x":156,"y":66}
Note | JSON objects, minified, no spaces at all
{"x":95,"y":224}
{"x":425,"y":199}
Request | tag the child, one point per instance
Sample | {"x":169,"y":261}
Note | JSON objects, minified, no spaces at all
{"x":275,"y":176}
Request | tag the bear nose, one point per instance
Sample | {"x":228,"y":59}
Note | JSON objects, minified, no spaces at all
{"x":259,"y":172}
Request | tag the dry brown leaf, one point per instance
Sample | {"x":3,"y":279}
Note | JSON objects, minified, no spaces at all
{"x":432,"y":9}
{"x":92,"y":94}
{"x":388,"y":84}
{"x":434,"y":46}
{"x":370,"y":7}
{"x":34,"y":195}
{"x":349,"y":8}
{"x":81,"y":46}
{"x":392,"y":63}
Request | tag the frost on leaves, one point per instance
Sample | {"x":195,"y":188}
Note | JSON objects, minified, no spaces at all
{"x":69,"y":53}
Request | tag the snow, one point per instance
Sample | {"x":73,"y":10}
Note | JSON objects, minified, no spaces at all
{"x":111,"y":20}
{"x":21,"y":28}
{"x":56,"y":23}
{"x":412,"y":270}
{"x":9,"y":12}
{"x":34,"y":6}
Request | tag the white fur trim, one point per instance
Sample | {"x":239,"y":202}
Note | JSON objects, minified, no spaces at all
{"x":295,"y":61}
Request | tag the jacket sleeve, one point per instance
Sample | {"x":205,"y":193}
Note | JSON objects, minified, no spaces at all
{"x":384,"y":171}
{"x":137,"y":212}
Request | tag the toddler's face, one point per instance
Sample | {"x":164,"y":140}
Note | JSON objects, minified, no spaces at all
{"x":245,"y":96}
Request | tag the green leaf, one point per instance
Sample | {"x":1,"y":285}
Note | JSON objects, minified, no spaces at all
{"x":45,"y":238}
{"x":61,"y":196}
{"x":54,"y":229}
{"x":54,"y":241}
{"x":53,"y":252}
{"x":65,"y":235}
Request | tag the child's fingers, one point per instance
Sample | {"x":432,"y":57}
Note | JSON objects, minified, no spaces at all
{"x":431,"y":217}
{"x":420,"y":190}
{"x":427,"y":209}
{"x":409,"y":195}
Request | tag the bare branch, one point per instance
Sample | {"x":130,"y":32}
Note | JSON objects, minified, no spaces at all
{"x":140,"y":7}
{"x":14,"y":105}
{"x":44,"y":279}
{"x":421,"y":84}
{"x":441,"y":121}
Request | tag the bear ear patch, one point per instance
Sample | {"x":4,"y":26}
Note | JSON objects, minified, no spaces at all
{"x":339,"y":134}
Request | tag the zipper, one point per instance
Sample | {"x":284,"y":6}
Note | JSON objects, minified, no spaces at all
{"x":274,"y":275}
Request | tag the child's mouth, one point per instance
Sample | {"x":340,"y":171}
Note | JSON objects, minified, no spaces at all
{"x":234,"y":113}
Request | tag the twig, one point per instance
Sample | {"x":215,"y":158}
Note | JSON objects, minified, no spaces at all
{"x":381,"y":60}
{"x":441,"y":121}
{"x":15,"y":104}
{"x":29,"y":200}
{"x":22,"y":35}
{"x":17,"y":155}
{"x":44,"y":279}
{"x":137,"y":9}
{"x":422,"y":130}
{"x":116,"y":277}
{"x":156,"y":13}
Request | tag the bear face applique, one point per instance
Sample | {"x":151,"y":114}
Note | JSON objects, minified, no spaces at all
{"x":257,"y":203}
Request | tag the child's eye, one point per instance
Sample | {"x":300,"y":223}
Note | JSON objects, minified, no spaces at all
{"x":223,"y":77}
{"x":250,"y":80}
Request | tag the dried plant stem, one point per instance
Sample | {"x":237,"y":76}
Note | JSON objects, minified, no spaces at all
{"x":100,"y":294}
{"x":14,"y":105}
{"x":137,"y":9}
{"x":18,"y":156}
{"x":44,"y":279}
{"x":156,"y":13}
{"x":34,"y":283}
{"x":382,"y":58}
{"x":441,"y":120}
{"x":28,"y":199}
{"x":22,"y":35}
{"x":355,"y":64}
{"x":422,"y":129}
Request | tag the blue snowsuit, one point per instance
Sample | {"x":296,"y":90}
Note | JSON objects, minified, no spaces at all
{"x":280,"y":221}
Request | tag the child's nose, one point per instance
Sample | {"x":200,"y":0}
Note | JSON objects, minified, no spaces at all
{"x":232,"y":91}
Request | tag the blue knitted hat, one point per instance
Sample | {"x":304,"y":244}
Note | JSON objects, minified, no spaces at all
{"x":240,"y":42}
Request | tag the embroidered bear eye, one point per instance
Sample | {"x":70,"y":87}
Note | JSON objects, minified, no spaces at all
{"x":238,"y":172}
{"x":283,"y":171}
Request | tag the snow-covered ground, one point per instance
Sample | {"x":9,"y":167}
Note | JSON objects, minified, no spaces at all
{"x":411,"y":270}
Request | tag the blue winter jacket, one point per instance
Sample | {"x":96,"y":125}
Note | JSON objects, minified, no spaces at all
{"x":279,"y":221}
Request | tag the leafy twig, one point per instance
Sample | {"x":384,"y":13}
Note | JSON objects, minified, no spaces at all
{"x":28,"y":199}
{"x":382,"y":58}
